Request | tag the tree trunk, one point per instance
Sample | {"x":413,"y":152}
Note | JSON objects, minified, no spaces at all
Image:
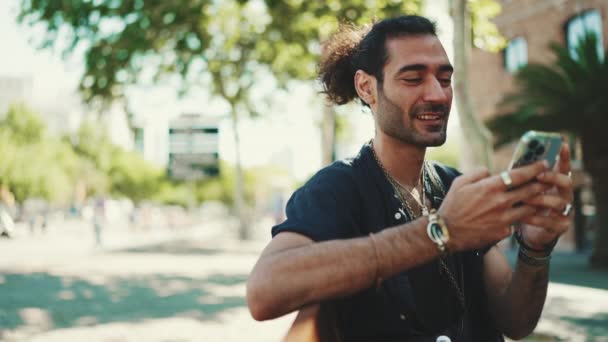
{"x":477,"y":138}
{"x":599,"y":258}
{"x":239,"y":189}
{"x":580,"y":241}
{"x":580,"y":222}
{"x":595,"y":158}
{"x":328,"y":135}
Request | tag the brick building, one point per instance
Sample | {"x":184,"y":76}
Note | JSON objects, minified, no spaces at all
{"x":529,"y":26}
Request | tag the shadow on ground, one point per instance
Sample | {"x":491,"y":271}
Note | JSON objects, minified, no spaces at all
{"x":184,"y":247}
{"x":542,"y":338}
{"x":60,"y":302}
{"x":596,"y":326}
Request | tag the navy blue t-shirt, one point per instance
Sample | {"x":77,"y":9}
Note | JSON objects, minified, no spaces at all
{"x":352,"y":198}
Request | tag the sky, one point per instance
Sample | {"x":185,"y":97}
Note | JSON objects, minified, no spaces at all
{"x":288,"y":135}
{"x":54,"y":80}
{"x":51,"y":78}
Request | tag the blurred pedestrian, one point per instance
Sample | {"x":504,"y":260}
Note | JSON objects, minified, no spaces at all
{"x":99,"y":217}
{"x":7,"y":210}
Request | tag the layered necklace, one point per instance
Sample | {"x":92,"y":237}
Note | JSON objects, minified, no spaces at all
{"x":399,"y":189}
{"x":424,"y":212}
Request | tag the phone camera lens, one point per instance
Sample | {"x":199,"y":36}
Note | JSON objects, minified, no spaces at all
{"x":539,"y":150}
{"x":528,"y":156}
{"x":533,"y":143}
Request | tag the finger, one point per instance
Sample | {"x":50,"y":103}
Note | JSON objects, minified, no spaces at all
{"x":553,"y":224}
{"x":557,"y":179}
{"x":473,"y":176}
{"x":519,"y":176}
{"x":552,"y":202}
{"x":525,"y":174}
{"x":516,"y":214}
{"x":561,"y":181}
{"x":563,"y":166}
{"x":524,"y":192}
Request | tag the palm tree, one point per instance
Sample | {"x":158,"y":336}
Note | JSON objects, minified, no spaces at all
{"x":567,"y":95}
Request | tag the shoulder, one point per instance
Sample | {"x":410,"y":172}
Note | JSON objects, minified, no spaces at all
{"x":338,"y":171}
{"x":341,"y":179}
{"x":326,"y":207}
{"x":335,"y":182}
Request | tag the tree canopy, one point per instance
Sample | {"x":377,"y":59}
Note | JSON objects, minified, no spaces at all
{"x":37,"y":164}
{"x":131,"y":41}
{"x":565,"y":95}
{"x":223,"y":47}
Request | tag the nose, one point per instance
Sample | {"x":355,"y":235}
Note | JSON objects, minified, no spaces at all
{"x":434,"y":92}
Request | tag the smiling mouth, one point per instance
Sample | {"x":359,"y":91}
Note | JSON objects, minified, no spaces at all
{"x":429,"y":117}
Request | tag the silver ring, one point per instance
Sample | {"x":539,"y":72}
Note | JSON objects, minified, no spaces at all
{"x":567,"y":209}
{"x":569,"y":174}
{"x":506,"y":179}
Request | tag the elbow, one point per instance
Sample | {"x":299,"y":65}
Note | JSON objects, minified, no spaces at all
{"x":260,"y":304}
{"x":258,"y":309}
{"x":258,"y":312}
{"x":521,"y":332}
{"x":516,"y":336}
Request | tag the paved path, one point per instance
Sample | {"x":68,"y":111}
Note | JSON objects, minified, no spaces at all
{"x":163,"y":285}
{"x":181,"y":285}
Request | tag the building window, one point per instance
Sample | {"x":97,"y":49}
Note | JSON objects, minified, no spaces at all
{"x":516,"y":54}
{"x":578,"y":26}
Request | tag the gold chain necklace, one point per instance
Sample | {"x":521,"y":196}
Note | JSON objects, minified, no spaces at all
{"x":442,"y":263}
{"x":422,"y":201}
{"x":397,"y":186}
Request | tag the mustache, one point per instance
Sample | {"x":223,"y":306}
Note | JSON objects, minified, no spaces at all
{"x":434,"y":108}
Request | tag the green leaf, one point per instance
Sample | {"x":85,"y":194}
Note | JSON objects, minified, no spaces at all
{"x":565,"y":95}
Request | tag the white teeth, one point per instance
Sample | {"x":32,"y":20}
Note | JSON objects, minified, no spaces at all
{"x":428,"y":117}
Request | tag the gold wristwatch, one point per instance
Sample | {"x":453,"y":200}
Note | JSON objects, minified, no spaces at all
{"x":437,"y":231}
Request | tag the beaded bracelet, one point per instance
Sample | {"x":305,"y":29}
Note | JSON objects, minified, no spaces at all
{"x":522,"y":244}
{"x":533,"y":261}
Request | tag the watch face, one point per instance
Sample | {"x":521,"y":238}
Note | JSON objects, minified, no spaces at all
{"x":436,"y":230}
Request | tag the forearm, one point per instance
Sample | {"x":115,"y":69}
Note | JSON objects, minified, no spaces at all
{"x":287,"y":280}
{"x":518,"y":309}
{"x":290,"y":279}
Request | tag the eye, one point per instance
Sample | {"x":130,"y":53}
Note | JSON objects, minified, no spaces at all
{"x":445,"y":81}
{"x":412,"y":80}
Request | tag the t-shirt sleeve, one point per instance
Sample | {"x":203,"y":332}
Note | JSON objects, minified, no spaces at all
{"x":325,"y":208}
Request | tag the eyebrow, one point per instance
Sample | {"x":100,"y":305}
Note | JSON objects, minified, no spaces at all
{"x":419,"y":67}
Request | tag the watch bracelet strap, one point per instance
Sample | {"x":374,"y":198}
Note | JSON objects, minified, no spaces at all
{"x":440,"y":235}
{"x":531,"y":260}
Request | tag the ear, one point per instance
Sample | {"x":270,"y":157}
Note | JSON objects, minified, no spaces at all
{"x":365,"y":84}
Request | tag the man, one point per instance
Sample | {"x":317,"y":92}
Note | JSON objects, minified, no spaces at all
{"x":388,"y":247}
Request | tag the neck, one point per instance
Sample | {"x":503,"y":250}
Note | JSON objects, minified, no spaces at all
{"x":402,"y":161}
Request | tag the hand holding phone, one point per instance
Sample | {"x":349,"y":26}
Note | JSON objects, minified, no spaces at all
{"x":542,"y":230}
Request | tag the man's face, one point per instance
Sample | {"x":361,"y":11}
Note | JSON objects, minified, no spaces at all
{"x":415,"y":98}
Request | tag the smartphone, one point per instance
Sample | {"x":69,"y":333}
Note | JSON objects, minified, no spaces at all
{"x":537,"y":145}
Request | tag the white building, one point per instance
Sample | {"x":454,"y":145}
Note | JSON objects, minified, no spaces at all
{"x":13,"y":89}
